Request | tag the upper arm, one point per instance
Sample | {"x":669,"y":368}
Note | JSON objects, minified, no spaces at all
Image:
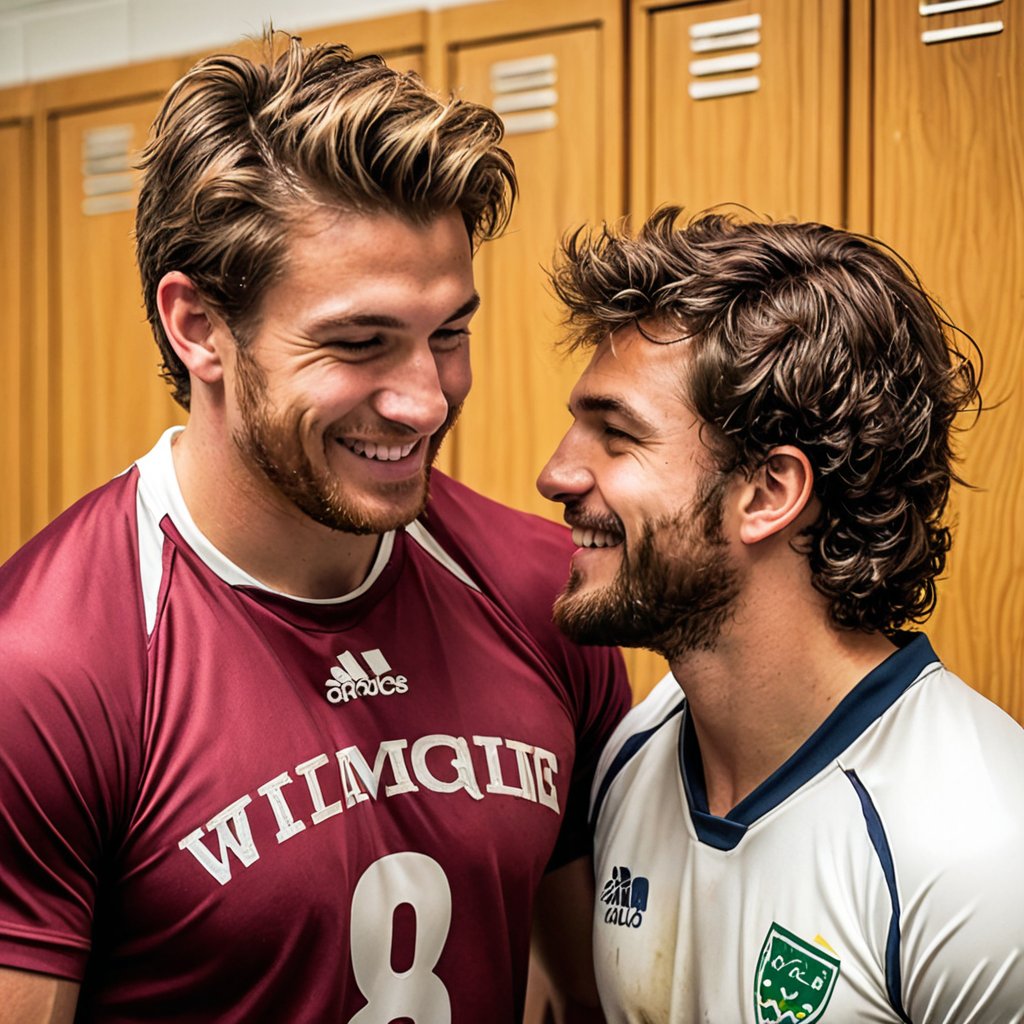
{"x":562,"y":941}
{"x":30,"y":998}
{"x":963,"y":942}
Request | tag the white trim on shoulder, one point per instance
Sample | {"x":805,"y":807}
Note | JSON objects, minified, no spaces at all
{"x":417,"y":532}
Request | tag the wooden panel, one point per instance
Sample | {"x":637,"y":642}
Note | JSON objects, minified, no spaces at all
{"x":110,"y":402}
{"x":777,"y":150}
{"x":948,"y":167}
{"x":517,"y":413}
{"x":400,"y":39}
{"x":15,"y":257}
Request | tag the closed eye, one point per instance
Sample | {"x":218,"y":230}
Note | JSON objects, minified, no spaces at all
{"x":448,"y":339}
{"x":357,"y":347}
{"x":614,"y":434}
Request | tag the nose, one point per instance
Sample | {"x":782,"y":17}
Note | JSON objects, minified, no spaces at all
{"x":413,"y":394}
{"x":566,"y":476}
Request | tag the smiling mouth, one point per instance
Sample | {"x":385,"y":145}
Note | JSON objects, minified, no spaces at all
{"x":379,"y":452}
{"x":588,"y":538}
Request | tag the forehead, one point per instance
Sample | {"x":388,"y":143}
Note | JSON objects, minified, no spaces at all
{"x":634,"y":375}
{"x":343,"y":258}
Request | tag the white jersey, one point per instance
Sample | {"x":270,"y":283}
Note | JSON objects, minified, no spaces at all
{"x":878,"y":875}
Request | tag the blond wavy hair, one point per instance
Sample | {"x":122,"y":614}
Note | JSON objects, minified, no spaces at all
{"x":240,"y":149}
{"x":806,"y":335}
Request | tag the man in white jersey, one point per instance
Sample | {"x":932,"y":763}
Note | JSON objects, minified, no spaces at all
{"x":286,"y":738}
{"x":811,"y":818}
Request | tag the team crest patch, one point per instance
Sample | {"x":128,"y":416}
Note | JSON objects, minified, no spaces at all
{"x":794,"y":981}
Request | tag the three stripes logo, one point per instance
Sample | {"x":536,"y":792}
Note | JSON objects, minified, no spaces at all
{"x":626,"y":898}
{"x":350,"y":680}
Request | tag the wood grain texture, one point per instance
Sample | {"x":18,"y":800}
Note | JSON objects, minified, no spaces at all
{"x":517,"y":412}
{"x":15,"y":259}
{"x":111,"y":403}
{"x":949,"y":195}
{"x":778,"y":151}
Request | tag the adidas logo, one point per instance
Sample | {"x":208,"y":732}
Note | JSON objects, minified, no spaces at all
{"x":626,"y":897}
{"x":350,"y":680}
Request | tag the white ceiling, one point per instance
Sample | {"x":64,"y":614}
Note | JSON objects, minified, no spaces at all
{"x":19,"y":5}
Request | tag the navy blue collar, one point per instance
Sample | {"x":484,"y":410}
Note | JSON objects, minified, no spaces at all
{"x":862,"y":706}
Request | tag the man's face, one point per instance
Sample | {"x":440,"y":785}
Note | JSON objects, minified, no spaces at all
{"x":653,"y":567}
{"x":357,"y":366}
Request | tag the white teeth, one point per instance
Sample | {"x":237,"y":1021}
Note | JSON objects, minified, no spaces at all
{"x":380,"y":452}
{"x":593,"y":538}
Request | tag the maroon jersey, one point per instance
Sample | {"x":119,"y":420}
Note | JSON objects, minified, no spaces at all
{"x":222,"y":803}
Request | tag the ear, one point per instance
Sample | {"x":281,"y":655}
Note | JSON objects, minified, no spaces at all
{"x":778,"y":493}
{"x":189,"y":327}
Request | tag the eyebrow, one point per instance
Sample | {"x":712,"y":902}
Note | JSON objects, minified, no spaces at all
{"x":608,"y":403}
{"x":328,"y":323}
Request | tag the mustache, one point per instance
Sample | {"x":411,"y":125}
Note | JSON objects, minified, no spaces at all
{"x":580,"y":518}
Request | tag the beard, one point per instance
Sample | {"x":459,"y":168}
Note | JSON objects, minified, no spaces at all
{"x":672,"y":595}
{"x":274,"y":446}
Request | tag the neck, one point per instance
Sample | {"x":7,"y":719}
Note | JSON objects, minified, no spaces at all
{"x":250,"y":523}
{"x":765,"y":688}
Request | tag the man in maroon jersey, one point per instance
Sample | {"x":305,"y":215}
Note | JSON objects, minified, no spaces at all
{"x":284,"y":740}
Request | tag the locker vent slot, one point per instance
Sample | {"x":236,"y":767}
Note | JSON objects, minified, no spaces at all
{"x":742,"y":34}
{"x":948,"y":35}
{"x":108,"y":181}
{"x":949,"y":6}
{"x":524,"y":93}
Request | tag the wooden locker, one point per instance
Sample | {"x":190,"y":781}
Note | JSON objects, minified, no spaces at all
{"x":15,"y":251}
{"x":739,"y":102}
{"x":947,"y":168}
{"x":564,"y":140}
{"x":400,"y":39}
{"x":111,"y":403}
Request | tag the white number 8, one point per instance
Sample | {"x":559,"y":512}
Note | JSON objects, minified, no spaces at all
{"x":417,"y":993}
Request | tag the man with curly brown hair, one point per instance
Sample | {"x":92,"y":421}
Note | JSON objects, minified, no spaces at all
{"x":811,"y":818}
{"x":288,"y":734}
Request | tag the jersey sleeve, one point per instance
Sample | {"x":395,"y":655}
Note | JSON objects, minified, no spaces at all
{"x":64,"y":764}
{"x":959,"y":869}
{"x":964,"y":945}
{"x":605,"y":687}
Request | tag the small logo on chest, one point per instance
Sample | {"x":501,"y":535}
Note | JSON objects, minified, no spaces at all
{"x":351,"y":679}
{"x":626,"y":898}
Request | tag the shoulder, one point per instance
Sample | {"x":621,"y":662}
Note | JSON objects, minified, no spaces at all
{"x":77,"y":573}
{"x":527,"y":555}
{"x":521,"y":562}
{"x":943,"y":779}
{"x":631,"y":740}
{"x":72,"y":627}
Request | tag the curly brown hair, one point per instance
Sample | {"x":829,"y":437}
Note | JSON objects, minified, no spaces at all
{"x":807,"y":335}
{"x":241,"y":149}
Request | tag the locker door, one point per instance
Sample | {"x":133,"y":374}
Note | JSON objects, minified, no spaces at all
{"x":111,"y":404}
{"x":948,"y":166}
{"x":517,"y":412}
{"x":739,"y":102}
{"x":399,"y":39}
{"x":14,"y":339}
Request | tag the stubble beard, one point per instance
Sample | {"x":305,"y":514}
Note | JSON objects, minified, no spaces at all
{"x":274,"y":446}
{"x":672,"y":595}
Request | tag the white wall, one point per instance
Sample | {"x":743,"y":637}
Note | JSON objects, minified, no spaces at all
{"x":48,"y":38}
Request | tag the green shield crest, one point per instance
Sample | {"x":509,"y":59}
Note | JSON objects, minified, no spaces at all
{"x":795,"y":979}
